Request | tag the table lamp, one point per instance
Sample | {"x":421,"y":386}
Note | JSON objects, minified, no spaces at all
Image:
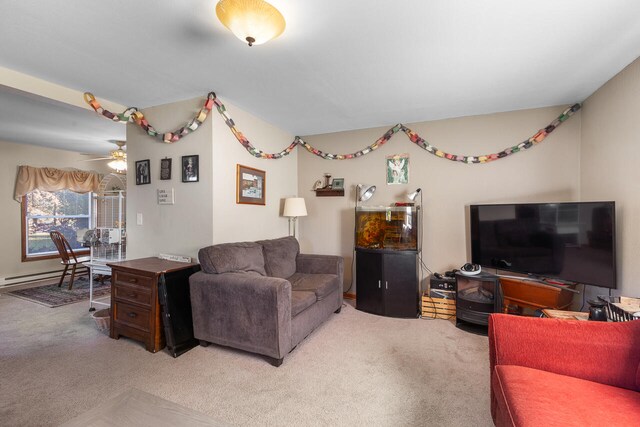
{"x":293,"y":208}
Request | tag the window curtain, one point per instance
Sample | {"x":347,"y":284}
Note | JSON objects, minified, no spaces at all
{"x":51,"y":179}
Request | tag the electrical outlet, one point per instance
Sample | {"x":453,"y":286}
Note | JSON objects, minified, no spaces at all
{"x":139,"y":219}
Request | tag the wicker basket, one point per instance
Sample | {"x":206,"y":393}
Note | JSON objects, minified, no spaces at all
{"x":102,"y":318}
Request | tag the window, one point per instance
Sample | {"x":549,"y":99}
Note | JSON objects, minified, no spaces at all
{"x":44,"y":211}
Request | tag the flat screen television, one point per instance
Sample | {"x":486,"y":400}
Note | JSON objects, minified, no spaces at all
{"x":574,"y":242}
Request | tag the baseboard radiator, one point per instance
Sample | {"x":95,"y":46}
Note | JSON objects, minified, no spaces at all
{"x":27,"y":278}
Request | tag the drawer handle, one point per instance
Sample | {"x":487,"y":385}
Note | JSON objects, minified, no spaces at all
{"x":132,"y":295}
{"x":133,"y":280}
{"x":132,"y":314}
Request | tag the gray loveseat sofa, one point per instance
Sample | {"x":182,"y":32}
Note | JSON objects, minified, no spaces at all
{"x":263,"y":297}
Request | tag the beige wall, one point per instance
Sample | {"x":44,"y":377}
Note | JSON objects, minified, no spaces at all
{"x":14,"y":155}
{"x":184,"y":227}
{"x":609,"y":165}
{"x":205,"y":212}
{"x":239,"y":222}
{"x":549,"y":171}
{"x":591,"y":157}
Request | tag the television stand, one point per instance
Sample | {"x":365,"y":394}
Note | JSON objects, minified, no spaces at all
{"x":535,"y":295}
{"x":560,"y":284}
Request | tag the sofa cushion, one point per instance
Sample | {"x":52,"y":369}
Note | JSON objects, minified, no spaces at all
{"x":320,"y":284}
{"x":300,"y":301}
{"x":232,"y":257}
{"x":531,"y":397}
{"x":280,"y":256}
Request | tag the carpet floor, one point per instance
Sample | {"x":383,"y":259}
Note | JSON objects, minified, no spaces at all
{"x":355,"y":370}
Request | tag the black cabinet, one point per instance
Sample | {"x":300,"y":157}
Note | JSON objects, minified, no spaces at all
{"x":369,"y":282}
{"x":387,"y":282}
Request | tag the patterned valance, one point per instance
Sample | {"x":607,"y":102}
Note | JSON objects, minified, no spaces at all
{"x":52,"y":179}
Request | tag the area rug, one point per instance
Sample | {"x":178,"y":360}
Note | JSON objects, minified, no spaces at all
{"x":50,"y":295}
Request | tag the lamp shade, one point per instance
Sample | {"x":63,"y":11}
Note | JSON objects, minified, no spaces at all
{"x":414,"y":195}
{"x":294,"y":207}
{"x":118,"y":165}
{"x":252,"y":21}
{"x":365,"y":192}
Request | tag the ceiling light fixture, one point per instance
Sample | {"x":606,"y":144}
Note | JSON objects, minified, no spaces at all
{"x":120,"y":166}
{"x":119,"y":162}
{"x":252,"y":21}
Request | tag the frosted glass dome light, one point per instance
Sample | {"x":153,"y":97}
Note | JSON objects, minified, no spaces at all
{"x":252,"y":21}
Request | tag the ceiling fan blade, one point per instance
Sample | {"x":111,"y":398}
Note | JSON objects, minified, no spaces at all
{"x":99,"y":158}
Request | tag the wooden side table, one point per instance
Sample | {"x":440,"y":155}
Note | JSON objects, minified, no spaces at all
{"x":135,"y":305}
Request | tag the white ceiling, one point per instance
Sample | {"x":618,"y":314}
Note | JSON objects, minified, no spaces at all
{"x":31,"y":119}
{"x":340,"y":64}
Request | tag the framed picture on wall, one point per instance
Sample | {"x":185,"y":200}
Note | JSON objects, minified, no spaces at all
{"x":190,"y":168}
{"x":165,"y":169}
{"x":397,"y":169}
{"x":337,"y":184}
{"x":143,"y":172}
{"x":251,"y":185}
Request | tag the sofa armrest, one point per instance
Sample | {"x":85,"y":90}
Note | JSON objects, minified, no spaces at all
{"x":320,"y":264}
{"x":604,"y":352}
{"x":242,"y":310}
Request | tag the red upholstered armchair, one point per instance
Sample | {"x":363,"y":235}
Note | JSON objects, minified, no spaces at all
{"x":552,"y":372}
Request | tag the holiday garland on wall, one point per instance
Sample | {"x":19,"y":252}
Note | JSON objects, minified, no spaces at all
{"x":135,"y":116}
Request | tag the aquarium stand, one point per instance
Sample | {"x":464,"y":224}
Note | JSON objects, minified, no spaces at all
{"x":387,"y":282}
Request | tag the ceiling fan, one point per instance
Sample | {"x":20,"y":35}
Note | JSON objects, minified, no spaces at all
{"x":118,"y":158}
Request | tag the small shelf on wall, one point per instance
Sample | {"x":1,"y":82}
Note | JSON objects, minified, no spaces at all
{"x":329,"y":192}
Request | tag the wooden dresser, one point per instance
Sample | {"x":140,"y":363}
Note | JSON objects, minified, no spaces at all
{"x":135,"y":306}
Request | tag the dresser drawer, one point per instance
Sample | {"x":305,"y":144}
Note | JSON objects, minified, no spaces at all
{"x":131,"y":315}
{"x":122,"y":278}
{"x":135,"y":294}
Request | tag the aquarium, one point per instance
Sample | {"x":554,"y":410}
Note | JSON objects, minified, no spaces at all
{"x":391,"y":228}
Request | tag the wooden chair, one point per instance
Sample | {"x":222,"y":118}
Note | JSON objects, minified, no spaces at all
{"x":69,"y":258}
